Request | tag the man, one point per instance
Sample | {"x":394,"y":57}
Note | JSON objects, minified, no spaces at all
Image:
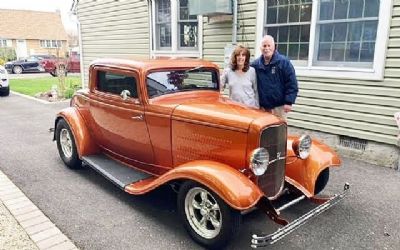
{"x":276,"y":79}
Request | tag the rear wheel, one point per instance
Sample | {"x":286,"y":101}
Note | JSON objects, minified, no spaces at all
{"x":322,"y":180}
{"x":66,"y":145}
{"x":207,"y":218}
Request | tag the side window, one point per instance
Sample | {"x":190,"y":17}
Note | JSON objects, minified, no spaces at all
{"x":116,"y":83}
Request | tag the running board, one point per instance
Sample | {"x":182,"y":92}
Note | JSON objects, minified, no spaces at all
{"x":114,"y":171}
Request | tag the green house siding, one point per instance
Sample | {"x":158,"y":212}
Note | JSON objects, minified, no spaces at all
{"x":356,"y":108}
{"x":217,"y":35}
{"x":113,"y":29}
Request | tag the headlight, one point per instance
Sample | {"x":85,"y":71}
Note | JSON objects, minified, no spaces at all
{"x":302,"y":146}
{"x":259,"y":161}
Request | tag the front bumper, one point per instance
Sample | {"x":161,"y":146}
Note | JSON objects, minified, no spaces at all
{"x":269,"y":239}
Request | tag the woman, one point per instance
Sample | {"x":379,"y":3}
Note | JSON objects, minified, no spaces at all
{"x":241,"y":78}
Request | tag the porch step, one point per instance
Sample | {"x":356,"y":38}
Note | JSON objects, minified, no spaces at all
{"x":116,"y":172}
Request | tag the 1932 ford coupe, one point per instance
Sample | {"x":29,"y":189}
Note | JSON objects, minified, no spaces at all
{"x":146,"y":123}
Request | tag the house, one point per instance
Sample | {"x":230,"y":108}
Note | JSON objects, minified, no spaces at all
{"x":346,"y":55}
{"x":32,"y":32}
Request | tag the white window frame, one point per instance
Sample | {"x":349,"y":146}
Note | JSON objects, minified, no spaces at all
{"x":341,"y":72}
{"x":5,"y":43}
{"x":50,"y":42}
{"x":174,"y":51}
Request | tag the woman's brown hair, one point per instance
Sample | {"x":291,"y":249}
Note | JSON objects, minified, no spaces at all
{"x":238,"y":50}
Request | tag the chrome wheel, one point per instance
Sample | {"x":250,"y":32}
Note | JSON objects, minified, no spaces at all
{"x":203,"y":213}
{"x":66,"y":142}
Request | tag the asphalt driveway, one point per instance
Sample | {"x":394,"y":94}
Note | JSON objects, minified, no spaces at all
{"x":97,"y":215}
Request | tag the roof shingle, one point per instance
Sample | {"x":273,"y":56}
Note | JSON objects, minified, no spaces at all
{"x":26,"y":24}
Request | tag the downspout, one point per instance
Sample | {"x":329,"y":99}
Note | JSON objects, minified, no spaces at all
{"x":81,"y":55}
{"x":235,"y":21}
{"x":74,"y":11}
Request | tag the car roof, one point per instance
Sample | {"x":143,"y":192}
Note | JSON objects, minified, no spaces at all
{"x":146,"y":64}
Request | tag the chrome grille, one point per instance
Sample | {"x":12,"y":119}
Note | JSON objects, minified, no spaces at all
{"x":274,"y":139}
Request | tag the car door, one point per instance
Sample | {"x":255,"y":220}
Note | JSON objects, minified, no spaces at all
{"x":31,"y":64}
{"x":119,"y":123}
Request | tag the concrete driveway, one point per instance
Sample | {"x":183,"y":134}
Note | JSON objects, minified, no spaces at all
{"x":97,"y":215}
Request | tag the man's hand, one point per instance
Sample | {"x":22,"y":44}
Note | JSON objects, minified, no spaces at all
{"x":287,"y":108}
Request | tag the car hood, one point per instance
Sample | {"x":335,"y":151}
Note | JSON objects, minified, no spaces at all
{"x":209,"y":108}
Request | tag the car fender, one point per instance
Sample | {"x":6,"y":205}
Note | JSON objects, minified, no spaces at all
{"x":83,"y":140}
{"x":237,"y":190}
{"x":304,"y":173}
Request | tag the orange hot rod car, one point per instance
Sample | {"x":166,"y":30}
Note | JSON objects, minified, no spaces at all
{"x":146,"y":123}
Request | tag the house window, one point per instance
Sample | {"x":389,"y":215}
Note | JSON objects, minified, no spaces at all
{"x":5,"y":43}
{"x":330,"y":35}
{"x":163,"y":24}
{"x":50,"y":43}
{"x":187,"y":27}
{"x":174,"y":30}
{"x":346,"y":32}
{"x":289,"y":24}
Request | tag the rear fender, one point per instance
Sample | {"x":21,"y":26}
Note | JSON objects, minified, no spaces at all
{"x":232,"y":186}
{"x":304,"y":173}
{"x":83,"y":140}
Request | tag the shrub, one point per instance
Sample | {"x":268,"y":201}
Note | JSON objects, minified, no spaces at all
{"x":70,"y":88}
{"x":8,"y":54}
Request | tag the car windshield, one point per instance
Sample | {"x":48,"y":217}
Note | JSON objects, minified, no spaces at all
{"x":192,"y":79}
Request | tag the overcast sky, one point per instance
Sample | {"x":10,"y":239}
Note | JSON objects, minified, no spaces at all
{"x":42,"y":5}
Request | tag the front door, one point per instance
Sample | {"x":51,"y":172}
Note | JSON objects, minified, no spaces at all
{"x":119,"y":124}
{"x":31,"y":64}
{"x":22,"y":50}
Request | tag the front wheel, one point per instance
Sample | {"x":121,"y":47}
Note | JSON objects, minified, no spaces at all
{"x":207,"y":218}
{"x":17,"y":69}
{"x":322,"y":180}
{"x":66,"y":145}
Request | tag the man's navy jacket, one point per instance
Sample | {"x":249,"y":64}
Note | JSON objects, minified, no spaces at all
{"x":276,"y":81}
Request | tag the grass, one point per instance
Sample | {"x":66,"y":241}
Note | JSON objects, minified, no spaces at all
{"x":33,"y":86}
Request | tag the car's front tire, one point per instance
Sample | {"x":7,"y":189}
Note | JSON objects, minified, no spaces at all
{"x":66,"y":145}
{"x":17,"y":69}
{"x":206,"y":217}
{"x":322,"y":181}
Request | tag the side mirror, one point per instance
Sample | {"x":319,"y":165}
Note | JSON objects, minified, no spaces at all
{"x":125,"y":94}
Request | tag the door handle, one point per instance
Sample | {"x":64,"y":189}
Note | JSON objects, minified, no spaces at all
{"x":138,"y":117}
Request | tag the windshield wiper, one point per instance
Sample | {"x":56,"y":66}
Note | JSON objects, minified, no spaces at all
{"x":195,"y":68}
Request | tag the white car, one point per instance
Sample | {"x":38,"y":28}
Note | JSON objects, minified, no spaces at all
{"x":4,"y":82}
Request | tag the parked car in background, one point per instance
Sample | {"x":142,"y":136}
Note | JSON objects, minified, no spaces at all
{"x":29,"y":65}
{"x":143,"y":124}
{"x":56,"y":65}
{"x":4,"y":82}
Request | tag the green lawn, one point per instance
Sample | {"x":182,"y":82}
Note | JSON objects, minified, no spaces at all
{"x":33,"y":86}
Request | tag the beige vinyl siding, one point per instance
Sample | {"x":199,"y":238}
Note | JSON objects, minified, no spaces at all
{"x":217,"y":35}
{"x":112,"y":28}
{"x":355,"y":108}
